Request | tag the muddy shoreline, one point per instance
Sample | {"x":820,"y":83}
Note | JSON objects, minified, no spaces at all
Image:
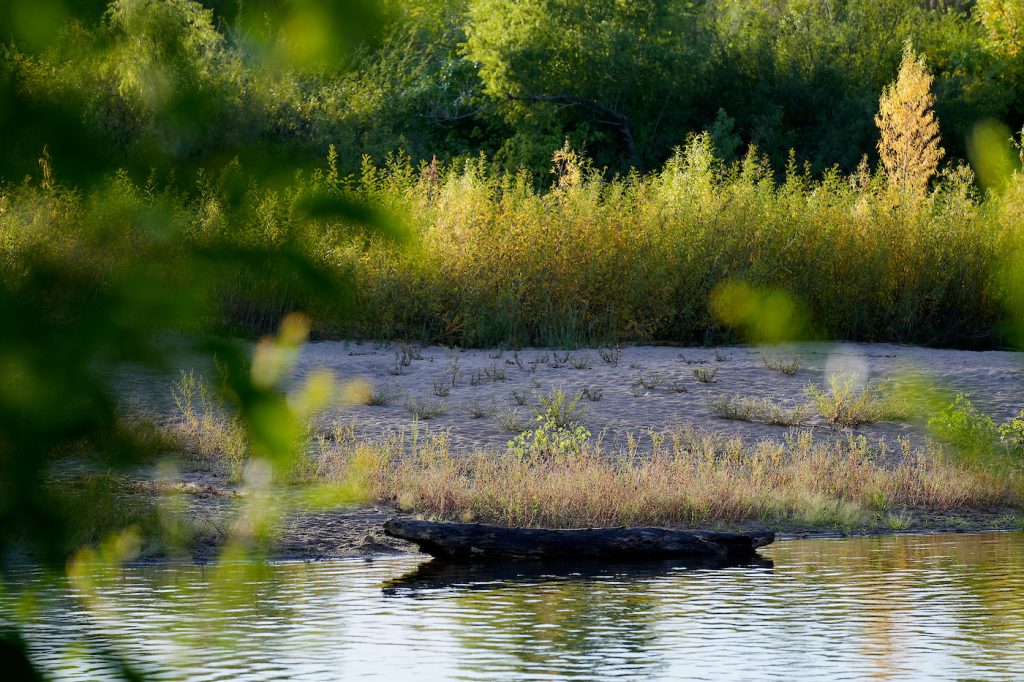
{"x":357,"y":533}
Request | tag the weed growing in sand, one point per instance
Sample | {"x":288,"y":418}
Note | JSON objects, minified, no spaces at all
{"x":550,"y":441}
{"x":559,"y":408}
{"x":592,"y":393}
{"x":789,"y":368}
{"x":442,"y":389}
{"x":517,"y":361}
{"x":519,"y":397}
{"x":511,"y":421}
{"x":651,"y":381}
{"x":206,"y":429}
{"x":705,"y":376}
{"x":760,"y":410}
{"x":845,"y":404}
{"x":383,"y":395}
{"x":580,"y":362}
{"x":610,"y":355}
{"x":636,"y":389}
{"x":677,"y":386}
{"x":720,"y":357}
{"x":452,"y":371}
{"x":494,"y":373}
{"x":559,"y":359}
{"x":424,"y":409}
{"x":478,"y":410}
{"x":559,"y":432}
{"x":404,"y":356}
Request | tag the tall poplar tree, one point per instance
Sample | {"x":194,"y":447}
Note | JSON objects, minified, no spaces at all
{"x":909,"y":145}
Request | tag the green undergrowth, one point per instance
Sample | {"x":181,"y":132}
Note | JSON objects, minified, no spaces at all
{"x":488,"y":259}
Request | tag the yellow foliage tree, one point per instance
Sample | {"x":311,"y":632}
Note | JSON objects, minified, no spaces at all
{"x":909,"y":146}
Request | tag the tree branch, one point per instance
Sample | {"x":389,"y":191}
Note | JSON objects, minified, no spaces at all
{"x":610,"y":116}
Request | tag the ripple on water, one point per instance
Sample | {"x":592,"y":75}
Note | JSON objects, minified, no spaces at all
{"x":902,"y":607}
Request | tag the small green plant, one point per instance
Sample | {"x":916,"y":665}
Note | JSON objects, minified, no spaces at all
{"x":961,"y":425}
{"x":651,"y":381}
{"x":789,"y":368}
{"x":1012,"y":433}
{"x":478,"y":410}
{"x":383,"y":395}
{"x":424,"y":409}
{"x":550,"y":442}
{"x":442,"y":389}
{"x":705,"y":376}
{"x":559,"y":431}
{"x":519,"y":397}
{"x":720,"y":357}
{"x":848,"y":404}
{"x":677,"y":386}
{"x":896,"y":522}
{"x":592,"y":393}
{"x":559,"y":408}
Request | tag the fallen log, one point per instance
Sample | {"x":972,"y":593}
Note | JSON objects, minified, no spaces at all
{"x":474,"y":541}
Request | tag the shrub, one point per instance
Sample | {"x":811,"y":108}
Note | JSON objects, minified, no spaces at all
{"x":844,"y":404}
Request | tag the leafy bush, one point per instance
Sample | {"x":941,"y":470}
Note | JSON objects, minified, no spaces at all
{"x":974,"y":434}
{"x":559,"y":432}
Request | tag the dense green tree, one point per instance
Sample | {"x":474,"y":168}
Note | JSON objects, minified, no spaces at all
{"x":601,"y":72}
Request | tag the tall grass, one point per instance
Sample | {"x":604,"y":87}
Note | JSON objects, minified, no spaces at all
{"x":690,"y":478}
{"x":491,"y":259}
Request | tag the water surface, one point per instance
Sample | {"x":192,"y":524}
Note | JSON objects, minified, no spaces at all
{"x":905,"y":607}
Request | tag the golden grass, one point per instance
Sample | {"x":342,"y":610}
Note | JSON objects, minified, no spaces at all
{"x":690,"y":478}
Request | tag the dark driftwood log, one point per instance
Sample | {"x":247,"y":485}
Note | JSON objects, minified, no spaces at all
{"x":473,"y":541}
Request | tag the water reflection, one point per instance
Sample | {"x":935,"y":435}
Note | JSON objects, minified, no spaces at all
{"x":908,"y":607}
{"x":438,"y":574}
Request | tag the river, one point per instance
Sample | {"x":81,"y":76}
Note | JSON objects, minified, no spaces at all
{"x":896,"y":607}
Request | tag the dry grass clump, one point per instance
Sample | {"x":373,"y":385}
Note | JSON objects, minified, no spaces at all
{"x":424,"y":408}
{"x":788,"y":368}
{"x":511,"y":421}
{"x":205,"y":430}
{"x":383,"y":395}
{"x":691,"y":478}
{"x":761,"y":410}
